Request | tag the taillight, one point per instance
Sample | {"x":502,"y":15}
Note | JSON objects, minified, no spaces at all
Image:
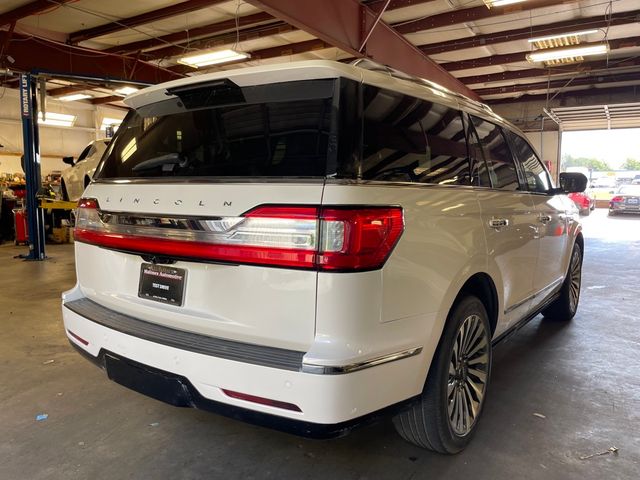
{"x":358,"y":239}
{"x":310,"y":237}
{"x":617,"y":199}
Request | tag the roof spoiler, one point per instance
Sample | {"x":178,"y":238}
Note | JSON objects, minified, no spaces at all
{"x":207,"y":94}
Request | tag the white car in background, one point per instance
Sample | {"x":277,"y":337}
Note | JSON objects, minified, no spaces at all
{"x":76,"y":178}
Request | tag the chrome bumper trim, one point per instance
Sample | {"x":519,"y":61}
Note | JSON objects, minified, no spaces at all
{"x":354,"y":367}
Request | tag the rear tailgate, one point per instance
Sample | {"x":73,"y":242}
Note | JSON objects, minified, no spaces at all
{"x":256,"y":304}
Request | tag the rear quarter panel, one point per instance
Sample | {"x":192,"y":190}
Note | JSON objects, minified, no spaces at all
{"x":405,"y":304}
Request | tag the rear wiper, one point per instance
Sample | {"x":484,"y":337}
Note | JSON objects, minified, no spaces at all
{"x":161,"y":160}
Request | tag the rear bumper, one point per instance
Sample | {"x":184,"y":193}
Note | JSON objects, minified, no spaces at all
{"x":178,"y":391}
{"x":330,"y":405}
{"x":621,"y":208}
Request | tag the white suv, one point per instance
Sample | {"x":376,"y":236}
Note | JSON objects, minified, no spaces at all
{"x":312,"y":245}
{"x":76,"y":178}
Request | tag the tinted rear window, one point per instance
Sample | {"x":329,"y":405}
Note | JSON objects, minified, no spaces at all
{"x":273,"y":130}
{"x":497,"y":154}
{"x":407,"y":139}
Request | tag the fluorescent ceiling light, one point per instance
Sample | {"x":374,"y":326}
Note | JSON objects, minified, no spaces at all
{"x":500,"y":3}
{"x":213,"y":58}
{"x":559,"y":53}
{"x":74,"y":96}
{"x":57,"y":119}
{"x":562,"y":35}
{"x":114,"y":122}
{"x":126,"y":90}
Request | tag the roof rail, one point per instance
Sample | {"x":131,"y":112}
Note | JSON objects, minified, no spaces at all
{"x":368,"y":64}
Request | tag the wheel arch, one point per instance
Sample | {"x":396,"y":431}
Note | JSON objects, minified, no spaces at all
{"x":580,"y":241}
{"x":481,"y":285}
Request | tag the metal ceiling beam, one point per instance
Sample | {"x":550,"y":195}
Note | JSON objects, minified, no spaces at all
{"x":193,"y":33}
{"x":394,"y":4}
{"x":385,"y":45}
{"x":609,"y":95}
{"x":206,"y":35}
{"x":552,"y":71}
{"x":591,"y":80}
{"x":103,"y":100}
{"x":68,"y":90}
{"x":272,"y":52}
{"x":231,"y":37}
{"x":492,"y":60}
{"x":485,"y":61}
{"x":622,"y":18}
{"x":35,"y":54}
{"x":32,"y":8}
{"x":148,"y":17}
{"x":472,"y":14}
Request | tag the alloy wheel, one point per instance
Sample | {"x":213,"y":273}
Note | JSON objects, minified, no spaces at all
{"x":575,"y":277}
{"x":468,"y":372}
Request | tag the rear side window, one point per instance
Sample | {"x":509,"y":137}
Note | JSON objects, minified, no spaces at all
{"x":497,"y":154}
{"x":479,"y":170}
{"x":268,"y":131}
{"x":406,"y":139}
{"x":536,"y":176}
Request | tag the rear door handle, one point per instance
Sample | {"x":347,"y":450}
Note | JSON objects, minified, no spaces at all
{"x":498,"y":223}
{"x":544,"y":218}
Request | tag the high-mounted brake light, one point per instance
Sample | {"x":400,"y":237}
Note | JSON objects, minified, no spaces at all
{"x":309,"y":237}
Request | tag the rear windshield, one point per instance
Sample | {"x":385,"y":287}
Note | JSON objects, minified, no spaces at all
{"x":225,"y":131}
{"x":630,"y":190}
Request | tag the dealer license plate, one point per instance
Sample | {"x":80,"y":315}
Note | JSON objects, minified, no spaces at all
{"x":162,"y":283}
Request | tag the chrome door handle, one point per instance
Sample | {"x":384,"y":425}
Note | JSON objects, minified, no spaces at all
{"x":544,"y":218}
{"x":498,"y":223}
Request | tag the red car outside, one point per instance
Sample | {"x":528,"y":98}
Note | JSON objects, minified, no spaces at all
{"x":583,"y":201}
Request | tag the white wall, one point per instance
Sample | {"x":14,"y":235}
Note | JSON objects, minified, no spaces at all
{"x":55,"y":142}
{"x":547,"y":144}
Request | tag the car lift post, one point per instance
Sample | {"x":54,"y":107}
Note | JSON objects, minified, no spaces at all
{"x":31,"y":141}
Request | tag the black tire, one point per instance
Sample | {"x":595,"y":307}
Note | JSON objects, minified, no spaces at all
{"x":428,"y":424}
{"x":612,"y":213}
{"x":63,"y":189}
{"x":585,"y":212}
{"x":565,"y":306}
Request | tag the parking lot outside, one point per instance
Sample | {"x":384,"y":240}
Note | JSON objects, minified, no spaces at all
{"x":560,"y":392}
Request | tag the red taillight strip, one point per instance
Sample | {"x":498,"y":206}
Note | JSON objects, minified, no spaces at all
{"x":261,"y":400}
{"x":283,"y":211}
{"x":78,"y":338}
{"x":198,"y":250}
{"x":324,"y":238}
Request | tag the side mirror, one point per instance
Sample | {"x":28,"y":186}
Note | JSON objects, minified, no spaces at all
{"x":573,"y":182}
{"x":68,"y":160}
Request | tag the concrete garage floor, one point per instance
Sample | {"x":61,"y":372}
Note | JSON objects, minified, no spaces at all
{"x":582,"y":376}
